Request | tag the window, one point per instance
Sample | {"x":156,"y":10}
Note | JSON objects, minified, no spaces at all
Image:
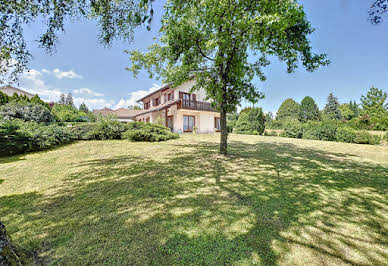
{"x":146,"y":105}
{"x":186,"y":96}
{"x":156,"y":101}
{"x":217,"y":123}
{"x":188,"y":123}
{"x":171,"y":96}
{"x":170,"y":122}
{"x":165,"y":97}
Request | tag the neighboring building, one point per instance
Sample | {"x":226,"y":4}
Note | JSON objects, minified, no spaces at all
{"x":9,"y":90}
{"x":181,"y":110}
{"x":122,"y":114}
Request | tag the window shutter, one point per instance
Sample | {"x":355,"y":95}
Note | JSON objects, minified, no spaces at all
{"x":194,"y":97}
{"x":180,"y":95}
{"x":215,"y":122}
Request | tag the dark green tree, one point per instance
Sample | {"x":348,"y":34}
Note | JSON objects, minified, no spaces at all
{"x":62,"y":99}
{"x":251,"y":122}
{"x":373,"y":103}
{"x":332,"y":110}
{"x":288,"y":110}
{"x":308,"y":110}
{"x":349,"y":110}
{"x":83,"y":108}
{"x":268,"y":117}
{"x":37,"y":100}
{"x":4,"y":98}
{"x":116,"y":20}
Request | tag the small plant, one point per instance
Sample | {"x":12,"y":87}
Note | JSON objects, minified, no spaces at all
{"x":195,"y":130}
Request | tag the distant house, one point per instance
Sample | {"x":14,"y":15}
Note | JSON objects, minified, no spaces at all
{"x":122,"y":114}
{"x":9,"y":90}
{"x":181,"y":110}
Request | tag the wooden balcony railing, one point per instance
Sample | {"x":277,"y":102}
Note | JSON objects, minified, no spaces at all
{"x":196,"y":105}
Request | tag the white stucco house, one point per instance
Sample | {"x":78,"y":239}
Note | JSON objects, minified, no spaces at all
{"x":181,"y":110}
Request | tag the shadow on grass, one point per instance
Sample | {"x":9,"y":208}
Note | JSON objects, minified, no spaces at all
{"x":265,"y":204}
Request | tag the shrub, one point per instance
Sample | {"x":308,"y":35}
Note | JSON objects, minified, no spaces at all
{"x":140,"y":131}
{"x":325,"y":130}
{"x":346,"y":134}
{"x":363,"y":137}
{"x":83,"y":131}
{"x":251,"y":122}
{"x":17,"y":136}
{"x":27,"y":112}
{"x":292,"y":129}
{"x":66,"y":113}
{"x":107,"y":127}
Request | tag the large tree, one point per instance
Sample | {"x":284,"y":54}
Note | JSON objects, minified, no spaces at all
{"x":374,"y":102}
{"x":225,"y":44}
{"x":308,"y":110}
{"x":288,"y":110}
{"x":378,"y":10}
{"x":332,"y":110}
{"x":116,"y":20}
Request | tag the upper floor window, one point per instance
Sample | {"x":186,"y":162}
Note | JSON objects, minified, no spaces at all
{"x":146,"y":105}
{"x":156,"y":102}
{"x":171,"y":96}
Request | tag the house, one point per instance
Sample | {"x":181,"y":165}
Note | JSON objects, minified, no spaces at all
{"x":180,"y":110}
{"x":122,"y":114}
{"x":9,"y":90}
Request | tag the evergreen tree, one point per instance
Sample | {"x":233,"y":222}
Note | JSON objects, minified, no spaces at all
{"x":69,"y":100}
{"x":373,"y":103}
{"x":308,"y":110}
{"x":62,"y":99}
{"x":38,"y":100}
{"x":83,"y":108}
{"x":4,"y":98}
{"x":288,"y":110}
{"x":332,"y":108}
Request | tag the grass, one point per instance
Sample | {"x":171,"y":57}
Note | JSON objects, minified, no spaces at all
{"x":272,"y":201}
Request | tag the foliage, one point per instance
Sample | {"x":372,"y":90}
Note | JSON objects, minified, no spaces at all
{"x":83,"y":108}
{"x":273,"y":133}
{"x":363,"y":137}
{"x":325,"y":130}
{"x":288,"y":110}
{"x":275,"y":124}
{"x":226,"y":44}
{"x":83,"y":131}
{"x":37,"y":100}
{"x":4,"y":98}
{"x":62,"y":99}
{"x":27,"y":112}
{"x":309,"y":110}
{"x":107,"y":127}
{"x":116,"y":20}
{"x":332,"y":108}
{"x":69,"y":100}
{"x":251,"y":122}
{"x":268,"y":117}
{"x":374,"y":105}
{"x":293,"y":129}
{"x":17,"y":136}
{"x":346,"y":134}
{"x":66,"y":113}
{"x":378,"y":9}
{"x":349,"y":110}
{"x":231,"y":121}
{"x":140,"y":131}
{"x":134,"y":107}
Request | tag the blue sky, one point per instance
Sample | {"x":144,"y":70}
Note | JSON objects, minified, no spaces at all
{"x":97,"y":75}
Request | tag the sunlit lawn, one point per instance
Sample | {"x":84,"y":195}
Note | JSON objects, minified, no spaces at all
{"x":272,"y":201}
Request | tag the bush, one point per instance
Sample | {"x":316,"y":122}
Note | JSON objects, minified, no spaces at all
{"x":83,"y":131}
{"x":27,"y":112}
{"x":17,"y":136}
{"x":251,"y":122}
{"x":363,"y":137}
{"x":107,"y":127}
{"x":292,"y":129}
{"x":346,"y":134}
{"x":66,"y":113}
{"x":325,"y":130}
{"x":140,"y":131}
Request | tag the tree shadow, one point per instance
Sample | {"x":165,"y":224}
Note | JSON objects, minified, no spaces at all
{"x":267,"y":204}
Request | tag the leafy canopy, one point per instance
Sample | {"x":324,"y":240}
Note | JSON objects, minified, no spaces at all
{"x":116,"y":20}
{"x":308,"y":110}
{"x":288,"y":110}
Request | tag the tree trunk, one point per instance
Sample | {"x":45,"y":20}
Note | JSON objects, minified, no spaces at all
{"x":224,"y":132}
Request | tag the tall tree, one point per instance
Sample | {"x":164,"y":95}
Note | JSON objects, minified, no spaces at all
{"x":224,"y":44}
{"x":349,"y":110}
{"x":308,"y":110}
{"x":83,"y":108}
{"x":69,"y":100}
{"x":332,"y":108}
{"x":116,"y":20}
{"x":288,"y":110}
{"x":62,"y":99}
{"x":374,"y":102}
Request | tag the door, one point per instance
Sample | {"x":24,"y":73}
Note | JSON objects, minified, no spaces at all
{"x":188,"y":123}
{"x":170,"y":122}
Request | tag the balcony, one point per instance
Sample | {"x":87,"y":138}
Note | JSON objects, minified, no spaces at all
{"x":195,"y":105}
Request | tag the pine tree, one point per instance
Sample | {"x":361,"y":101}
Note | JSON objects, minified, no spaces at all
{"x":332,"y":108}
{"x":69,"y":100}
{"x":62,"y":99}
{"x":83,"y":108}
{"x":308,"y":110}
{"x":4,"y":98}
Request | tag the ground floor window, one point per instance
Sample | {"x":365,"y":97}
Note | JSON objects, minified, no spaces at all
{"x":170,"y":122}
{"x":188,"y":123}
{"x":217,"y":123}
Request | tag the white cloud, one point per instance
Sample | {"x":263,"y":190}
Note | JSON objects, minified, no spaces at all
{"x":59,"y":74}
{"x":87,"y":92}
{"x":135,"y":96}
{"x":94,"y":103}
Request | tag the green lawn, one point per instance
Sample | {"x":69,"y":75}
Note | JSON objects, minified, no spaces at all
{"x":272,"y":201}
